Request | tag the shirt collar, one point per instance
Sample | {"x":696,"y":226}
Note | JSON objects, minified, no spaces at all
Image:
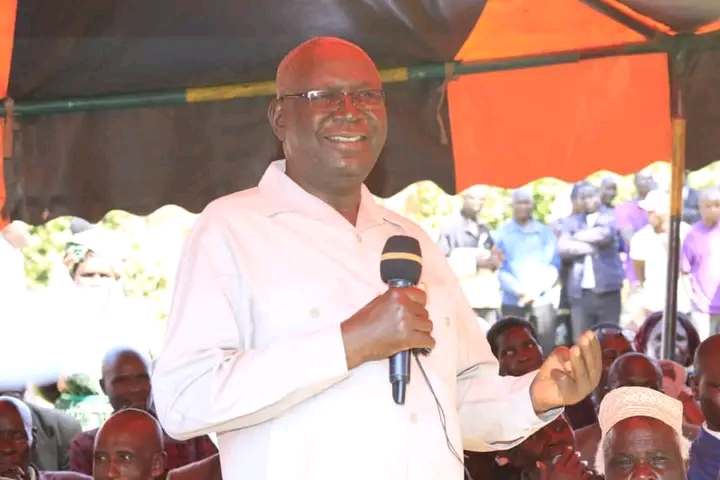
{"x":531,"y":227}
{"x":283,"y":195}
{"x":711,"y":432}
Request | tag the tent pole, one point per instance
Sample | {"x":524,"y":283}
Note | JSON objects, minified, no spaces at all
{"x":621,"y":17}
{"x":678,"y":63}
{"x":26,"y":108}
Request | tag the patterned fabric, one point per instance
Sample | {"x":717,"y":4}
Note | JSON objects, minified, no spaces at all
{"x":179,"y":453}
{"x":626,"y":402}
{"x":75,"y":254}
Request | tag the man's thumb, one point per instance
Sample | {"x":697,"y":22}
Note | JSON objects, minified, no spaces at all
{"x":543,"y":470}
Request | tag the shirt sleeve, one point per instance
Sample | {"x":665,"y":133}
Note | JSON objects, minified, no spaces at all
{"x":637,"y":247}
{"x":686,"y":255}
{"x":208,"y":377}
{"x":484,"y":397}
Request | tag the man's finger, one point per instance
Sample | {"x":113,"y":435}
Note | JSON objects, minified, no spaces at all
{"x":422,"y":325}
{"x":415,"y":295}
{"x":422,"y":340}
{"x":592,"y":353}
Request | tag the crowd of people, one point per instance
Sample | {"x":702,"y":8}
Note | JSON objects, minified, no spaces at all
{"x":240,"y":363}
{"x":603,"y":264}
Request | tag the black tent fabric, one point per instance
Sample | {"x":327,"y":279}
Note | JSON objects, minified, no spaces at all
{"x":138,"y":160}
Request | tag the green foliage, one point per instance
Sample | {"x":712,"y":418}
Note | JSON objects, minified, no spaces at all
{"x":144,"y":275}
{"x":44,"y":248}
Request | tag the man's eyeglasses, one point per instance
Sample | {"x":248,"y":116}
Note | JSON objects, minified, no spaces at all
{"x":331,"y":100}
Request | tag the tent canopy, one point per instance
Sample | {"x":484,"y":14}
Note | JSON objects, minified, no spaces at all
{"x":505,"y":127}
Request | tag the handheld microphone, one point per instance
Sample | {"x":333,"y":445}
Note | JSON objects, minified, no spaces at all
{"x":400,"y":267}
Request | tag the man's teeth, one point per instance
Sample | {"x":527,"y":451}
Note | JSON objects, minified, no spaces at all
{"x":356,"y":138}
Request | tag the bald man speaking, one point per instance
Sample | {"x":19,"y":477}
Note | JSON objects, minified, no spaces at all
{"x":281,"y":327}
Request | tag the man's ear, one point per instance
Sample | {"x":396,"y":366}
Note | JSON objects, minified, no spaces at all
{"x":33,"y":438}
{"x":102,"y":386}
{"x":158,"y":464}
{"x":695,"y":385}
{"x":276,"y":115}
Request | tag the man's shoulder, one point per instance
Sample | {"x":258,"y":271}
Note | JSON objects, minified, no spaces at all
{"x":207,"y":468}
{"x":412,"y":228}
{"x":52,"y":416}
{"x":63,"y":476}
{"x":244,"y":200}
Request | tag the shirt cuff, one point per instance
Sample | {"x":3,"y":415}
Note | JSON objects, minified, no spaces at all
{"x":526,"y":417}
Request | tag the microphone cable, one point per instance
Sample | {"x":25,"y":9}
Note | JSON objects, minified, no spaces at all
{"x":443,"y":420}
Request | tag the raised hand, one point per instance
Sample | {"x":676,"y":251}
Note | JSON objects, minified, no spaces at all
{"x":567,"y":375}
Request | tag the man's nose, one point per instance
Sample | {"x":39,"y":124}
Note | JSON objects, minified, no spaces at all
{"x":347,"y":109}
{"x":644,"y":472}
{"x":113,"y":469}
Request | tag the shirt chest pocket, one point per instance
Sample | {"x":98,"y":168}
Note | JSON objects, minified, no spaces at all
{"x":287,"y":310}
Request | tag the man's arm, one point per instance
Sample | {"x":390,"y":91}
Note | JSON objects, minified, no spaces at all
{"x":569,"y":248}
{"x":551,"y":256}
{"x":691,"y":210}
{"x":601,"y":235}
{"x":67,"y":429}
{"x":208,"y":377}
{"x":637,"y":251}
{"x":484,"y":396}
{"x":445,"y":241}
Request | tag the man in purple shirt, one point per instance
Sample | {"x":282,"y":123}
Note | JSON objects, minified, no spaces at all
{"x":699,"y":260}
{"x":630,"y":218}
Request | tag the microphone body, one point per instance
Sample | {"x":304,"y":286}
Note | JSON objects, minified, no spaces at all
{"x":400,"y":267}
{"x":400,"y":362}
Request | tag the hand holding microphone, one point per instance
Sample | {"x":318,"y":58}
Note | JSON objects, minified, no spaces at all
{"x":396,"y":322}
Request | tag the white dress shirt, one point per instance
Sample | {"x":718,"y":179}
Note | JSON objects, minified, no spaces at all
{"x":254,"y":352}
{"x":651,"y":248}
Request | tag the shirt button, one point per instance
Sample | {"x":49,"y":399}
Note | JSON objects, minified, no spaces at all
{"x":413,"y":417}
{"x":358,"y":237}
{"x":314,"y":312}
{"x":447,"y":321}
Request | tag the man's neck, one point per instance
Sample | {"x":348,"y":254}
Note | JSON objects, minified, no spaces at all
{"x":710,"y":223}
{"x":523,"y":222}
{"x":468,"y":215}
{"x":346,"y":201}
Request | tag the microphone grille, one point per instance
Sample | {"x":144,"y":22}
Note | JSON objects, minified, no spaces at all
{"x":401,"y":259}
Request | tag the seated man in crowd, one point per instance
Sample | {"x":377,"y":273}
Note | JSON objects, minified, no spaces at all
{"x":126,"y":382}
{"x":705,"y":454}
{"x":514,"y":343}
{"x":549,"y":453}
{"x":17,"y":435}
{"x":129,"y":446}
{"x":54,"y":429}
{"x":641,"y":436}
{"x":629,"y":370}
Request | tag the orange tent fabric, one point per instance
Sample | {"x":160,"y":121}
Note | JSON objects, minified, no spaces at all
{"x":8,"y":9}
{"x":605,"y":114}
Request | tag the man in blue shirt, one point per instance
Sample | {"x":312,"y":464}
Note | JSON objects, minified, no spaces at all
{"x":530,"y":268}
{"x":590,"y":242}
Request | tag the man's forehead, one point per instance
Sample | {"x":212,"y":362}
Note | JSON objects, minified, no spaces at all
{"x":325,"y":63}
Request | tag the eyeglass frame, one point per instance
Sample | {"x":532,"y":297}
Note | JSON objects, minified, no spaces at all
{"x":353,"y":95}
